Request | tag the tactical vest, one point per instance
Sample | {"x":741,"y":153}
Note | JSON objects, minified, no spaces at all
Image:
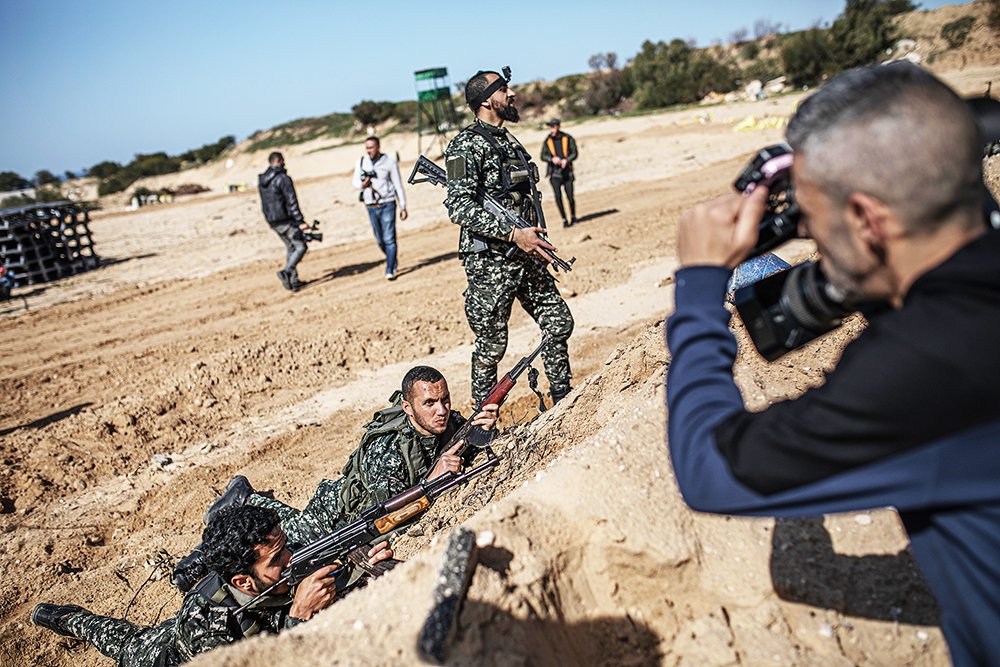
{"x":212,"y":589}
{"x":518,"y":174}
{"x":355,"y":493}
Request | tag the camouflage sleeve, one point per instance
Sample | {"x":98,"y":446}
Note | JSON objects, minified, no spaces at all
{"x":464,"y":159}
{"x":200,"y":627}
{"x":384,"y":469}
{"x":289,"y":622}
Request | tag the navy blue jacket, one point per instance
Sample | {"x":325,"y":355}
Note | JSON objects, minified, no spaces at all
{"x":946,"y":487}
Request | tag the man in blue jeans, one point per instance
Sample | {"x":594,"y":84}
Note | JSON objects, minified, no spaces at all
{"x":888,"y":175}
{"x":377,"y":176}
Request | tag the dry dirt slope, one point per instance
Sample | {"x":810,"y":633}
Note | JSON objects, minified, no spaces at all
{"x":615,"y":570}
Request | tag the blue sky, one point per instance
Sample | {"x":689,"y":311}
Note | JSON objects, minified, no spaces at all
{"x":103,"y":79}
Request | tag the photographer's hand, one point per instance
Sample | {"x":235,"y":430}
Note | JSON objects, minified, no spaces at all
{"x":722,"y":231}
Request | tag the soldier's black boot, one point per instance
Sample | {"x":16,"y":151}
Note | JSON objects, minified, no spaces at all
{"x":188,"y":571}
{"x":235,"y":495}
{"x":559,"y":393}
{"x":49,"y":615}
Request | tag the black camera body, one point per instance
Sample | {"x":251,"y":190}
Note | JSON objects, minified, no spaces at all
{"x":313,"y":234}
{"x":792,"y":307}
{"x":368,"y":174}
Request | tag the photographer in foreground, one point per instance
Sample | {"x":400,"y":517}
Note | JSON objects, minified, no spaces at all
{"x":888,"y":174}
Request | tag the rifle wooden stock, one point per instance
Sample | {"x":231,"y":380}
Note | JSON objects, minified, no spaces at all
{"x":397,"y":518}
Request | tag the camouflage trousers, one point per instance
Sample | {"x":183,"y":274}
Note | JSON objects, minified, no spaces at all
{"x":494,"y":283}
{"x":322,"y":515}
{"x":130,"y":645}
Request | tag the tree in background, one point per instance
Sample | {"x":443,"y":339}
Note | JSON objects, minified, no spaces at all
{"x":10,"y":180}
{"x":862,"y":33}
{"x":45,"y":177}
{"x":665,"y":74}
{"x":609,"y":86}
{"x":104,"y":169}
{"x":765,"y":28}
{"x":739,"y":35}
{"x":369,"y":113}
{"x":807,"y":56}
{"x":894,"y":7}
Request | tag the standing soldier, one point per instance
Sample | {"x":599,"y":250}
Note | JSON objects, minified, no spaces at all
{"x":559,"y":151}
{"x":485,"y":155}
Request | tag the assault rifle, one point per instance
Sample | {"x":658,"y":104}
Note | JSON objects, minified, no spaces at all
{"x":378,"y":520}
{"x":474,"y":436}
{"x":435,"y":175}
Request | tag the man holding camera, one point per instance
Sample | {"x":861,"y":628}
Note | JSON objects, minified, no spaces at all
{"x":559,"y":152}
{"x":888,"y":175}
{"x":281,"y":210}
{"x":502,"y":262}
{"x":377,"y":176}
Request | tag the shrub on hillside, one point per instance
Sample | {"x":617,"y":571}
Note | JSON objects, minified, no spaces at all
{"x":209,"y":151}
{"x":993,"y":15}
{"x":750,"y":51}
{"x":369,"y":113}
{"x":666,"y":74}
{"x":956,"y":32}
{"x":609,"y":86}
{"x":104,"y":169}
{"x":764,"y":69}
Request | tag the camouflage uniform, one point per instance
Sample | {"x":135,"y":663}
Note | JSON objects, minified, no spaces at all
{"x":199,"y":626}
{"x":391,"y":457}
{"x":495,"y":281}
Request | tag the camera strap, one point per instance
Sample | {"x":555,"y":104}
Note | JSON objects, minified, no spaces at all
{"x":376,"y":197}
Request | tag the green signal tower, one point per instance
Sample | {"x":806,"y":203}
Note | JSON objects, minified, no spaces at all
{"x":435,"y":108}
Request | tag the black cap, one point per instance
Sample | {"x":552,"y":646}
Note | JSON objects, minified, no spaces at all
{"x":554,"y":121}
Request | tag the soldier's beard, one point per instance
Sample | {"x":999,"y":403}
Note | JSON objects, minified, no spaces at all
{"x":509,"y":112}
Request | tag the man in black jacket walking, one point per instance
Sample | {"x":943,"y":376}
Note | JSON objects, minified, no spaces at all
{"x":281,"y":209}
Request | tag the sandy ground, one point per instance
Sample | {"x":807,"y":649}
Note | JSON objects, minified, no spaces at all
{"x":184,"y":345}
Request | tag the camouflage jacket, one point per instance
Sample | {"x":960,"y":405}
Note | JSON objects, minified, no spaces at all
{"x":202,"y":624}
{"x":392,"y":457}
{"x":472,"y":163}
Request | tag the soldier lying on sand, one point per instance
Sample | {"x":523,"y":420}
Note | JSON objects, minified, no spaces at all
{"x":403,"y":445}
{"x":245,"y":550}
